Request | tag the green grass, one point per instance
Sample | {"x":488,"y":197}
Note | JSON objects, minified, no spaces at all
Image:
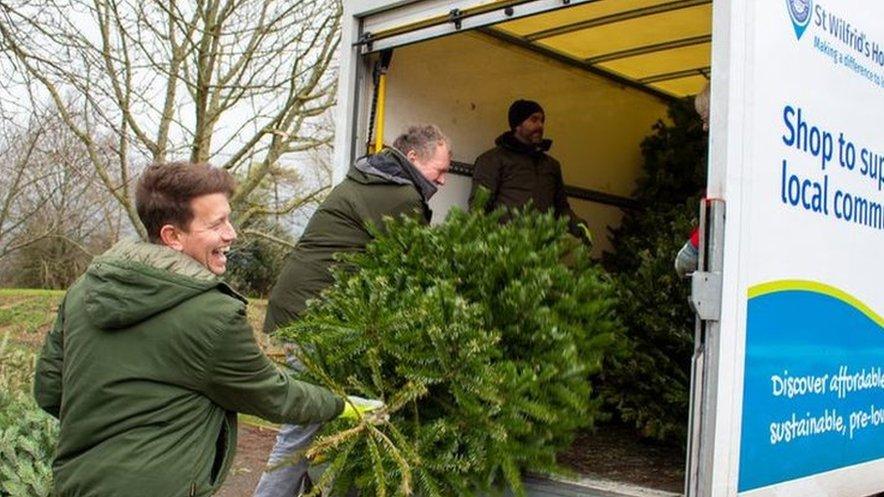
{"x":248,"y":419}
{"x":30,"y":292}
{"x":26,"y":315}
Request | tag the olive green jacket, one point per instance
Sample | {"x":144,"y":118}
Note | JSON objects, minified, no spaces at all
{"x":377,"y":186}
{"x":150,"y":358}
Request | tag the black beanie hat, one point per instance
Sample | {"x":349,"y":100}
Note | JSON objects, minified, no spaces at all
{"x":521,"y":110}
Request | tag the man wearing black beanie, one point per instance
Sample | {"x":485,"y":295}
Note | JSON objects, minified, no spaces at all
{"x":518,"y":169}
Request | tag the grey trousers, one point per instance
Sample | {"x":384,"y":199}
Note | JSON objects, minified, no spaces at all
{"x":285,"y":480}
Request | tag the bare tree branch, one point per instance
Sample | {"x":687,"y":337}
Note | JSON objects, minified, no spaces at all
{"x":239,"y":82}
{"x":268,"y":236}
{"x":291,"y":205}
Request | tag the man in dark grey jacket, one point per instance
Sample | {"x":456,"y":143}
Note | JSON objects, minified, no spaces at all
{"x":395,"y":182}
{"x":518,"y":169}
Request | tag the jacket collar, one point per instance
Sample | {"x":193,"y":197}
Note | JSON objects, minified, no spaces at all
{"x":509,"y":141}
{"x":162,"y":258}
{"x":391,"y":165}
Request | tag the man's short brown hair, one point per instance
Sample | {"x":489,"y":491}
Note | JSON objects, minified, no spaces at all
{"x":164,"y":192}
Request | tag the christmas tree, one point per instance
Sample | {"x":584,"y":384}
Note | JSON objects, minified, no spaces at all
{"x":479,"y":336}
{"x":651,"y":387}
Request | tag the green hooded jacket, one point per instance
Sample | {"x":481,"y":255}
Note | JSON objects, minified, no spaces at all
{"x":377,"y":186}
{"x":150,"y":358}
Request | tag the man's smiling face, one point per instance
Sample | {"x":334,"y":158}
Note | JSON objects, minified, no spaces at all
{"x":210,"y":234}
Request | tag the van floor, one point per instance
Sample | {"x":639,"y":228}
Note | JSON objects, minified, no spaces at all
{"x":615,"y":453}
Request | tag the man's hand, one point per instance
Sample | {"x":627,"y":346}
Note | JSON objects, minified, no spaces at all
{"x":358,"y":408}
{"x":686,"y":260}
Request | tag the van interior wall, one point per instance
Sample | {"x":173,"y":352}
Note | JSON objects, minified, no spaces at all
{"x":465,"y":84}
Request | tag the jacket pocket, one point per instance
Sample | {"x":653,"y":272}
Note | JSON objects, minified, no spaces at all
{"x":225,"y":445}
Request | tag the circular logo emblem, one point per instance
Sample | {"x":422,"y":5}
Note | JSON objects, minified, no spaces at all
{"x":800,"y":10}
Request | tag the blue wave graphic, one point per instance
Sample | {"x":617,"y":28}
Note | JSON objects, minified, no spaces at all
{"x":816,"y":353}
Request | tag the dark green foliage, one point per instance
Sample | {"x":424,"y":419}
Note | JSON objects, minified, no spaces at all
{"x":651,"y":388}
{"x":479,"y":337}
{"x":255,"y":260}
{"x":675,"y":157}
{"x":27,"y":434}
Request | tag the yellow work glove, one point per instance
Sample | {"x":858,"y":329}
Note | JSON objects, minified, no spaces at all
{"x":357,"y":408}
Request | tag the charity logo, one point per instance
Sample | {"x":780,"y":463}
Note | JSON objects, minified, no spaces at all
{"x":799,"y":11}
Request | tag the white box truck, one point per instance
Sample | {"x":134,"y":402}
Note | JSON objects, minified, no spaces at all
{"x":788,"y":373}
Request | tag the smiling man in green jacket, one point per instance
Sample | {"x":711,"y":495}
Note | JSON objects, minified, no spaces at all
{"x":151,"y":355}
